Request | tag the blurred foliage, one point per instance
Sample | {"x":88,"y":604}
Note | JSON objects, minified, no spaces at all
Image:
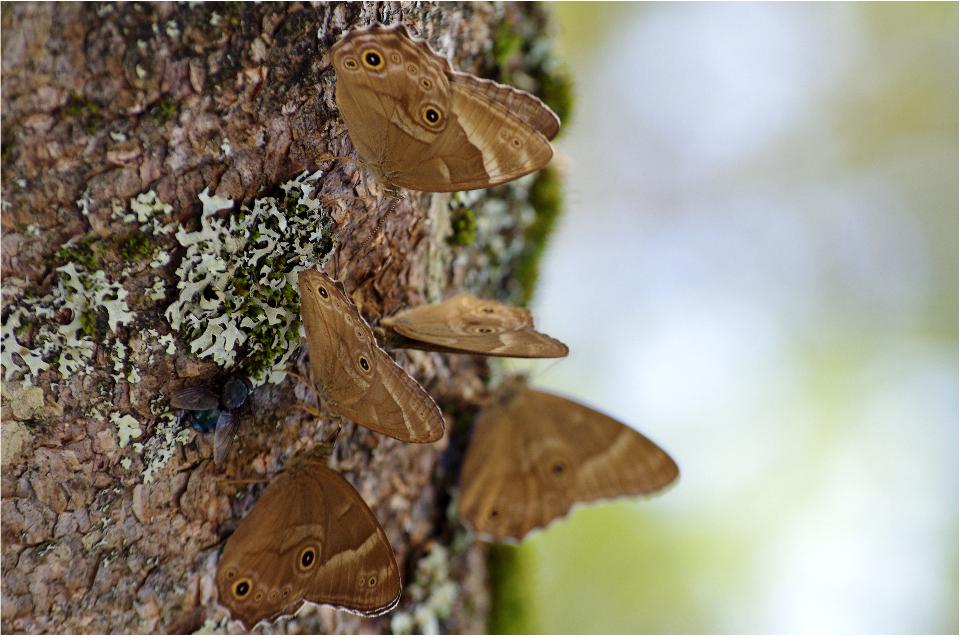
{"x":684,"y":563}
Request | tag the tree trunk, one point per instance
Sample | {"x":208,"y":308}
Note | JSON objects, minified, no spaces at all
{"x":115,"y":118}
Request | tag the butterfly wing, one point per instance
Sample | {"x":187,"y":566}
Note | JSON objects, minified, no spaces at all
{"x":534,"y":455}
{"x":382,"y":104}
{"x":353,"y":375}
{"x":524,"y":105}
{"x":416,"y":129}
{"x":309,"y":537}
{"x":484,"y":145}
{"x":467,"y":324}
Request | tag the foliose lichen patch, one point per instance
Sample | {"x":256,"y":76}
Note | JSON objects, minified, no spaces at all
{"x":94,"y":306}
{"x":434,"y":593}
{"x":238,"y":302}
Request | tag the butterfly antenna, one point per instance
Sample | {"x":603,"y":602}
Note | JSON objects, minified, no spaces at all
{"x":342,"y":158}
{"x":395,"y":200}
{"x":300,"y":378}
{"x":223,"y":480}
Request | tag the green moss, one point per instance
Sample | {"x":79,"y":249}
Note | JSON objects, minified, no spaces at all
{"x":85,"y":252}
{"x":514,"y":51}
{"x":90,"y":324}
{"x":6,"y":152}
{"x":137,"y":247}
{"x":464,"y":227}
{"x":508,"y":602}
{"x":164,"y":110}
{"x":87,"y":111}
{"x":546,"y":198}
{"x":507,"y":45}
{"x":557,"y":91}
{"x":231,"y":10}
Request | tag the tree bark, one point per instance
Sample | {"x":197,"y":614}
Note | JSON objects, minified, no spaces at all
{"x":114,"y":515}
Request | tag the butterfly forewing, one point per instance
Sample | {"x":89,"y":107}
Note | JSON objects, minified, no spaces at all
{"x":353,"y":375}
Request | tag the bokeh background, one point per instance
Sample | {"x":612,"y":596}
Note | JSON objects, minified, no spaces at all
{"x":758,"y":268}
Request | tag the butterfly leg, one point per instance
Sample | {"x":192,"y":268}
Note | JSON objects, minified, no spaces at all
{"x":310,"y":409}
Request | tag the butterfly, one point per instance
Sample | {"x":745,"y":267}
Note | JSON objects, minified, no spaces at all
{"x":353,"y":375}
{"x":418,"y":124}
{"x":534,"y":455}
{"x":310,"y":537}
{"x":466,"y":324}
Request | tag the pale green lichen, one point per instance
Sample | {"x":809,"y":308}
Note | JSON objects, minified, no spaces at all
{"x":90,"y":300}
{"x":170,"y":346}
{"x":238,"y":302}
{"x":160,"y":448}
{"x":119,"y":359}
{"x":84,"y":203}
{"x":127,"y":428}
{"x":434,"y":594}
{"x":31,"y":363}
{"x":157,"y":291}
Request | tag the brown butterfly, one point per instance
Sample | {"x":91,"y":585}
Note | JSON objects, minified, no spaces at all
{"x":353,"y":376}
{"x":534,"y":455}
{"x":310,"y":537}
{"x":466,"y":324}
{"x":418,"y":124}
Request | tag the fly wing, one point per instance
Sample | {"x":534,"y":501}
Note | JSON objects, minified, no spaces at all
{"x":224,"y":433}
{"x":196,"y":397}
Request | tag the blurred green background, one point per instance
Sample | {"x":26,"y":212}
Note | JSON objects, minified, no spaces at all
{"x":758,"y":268}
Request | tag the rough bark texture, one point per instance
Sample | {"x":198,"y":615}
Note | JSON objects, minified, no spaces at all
{"x":102,"y":103}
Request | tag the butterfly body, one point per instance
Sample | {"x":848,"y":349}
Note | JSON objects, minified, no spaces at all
{"x":353,"y":375}
{"x":466,"y":324}
{"x":418,"y":124}
{"x":535,"y":455}
{"x":309,"y":537}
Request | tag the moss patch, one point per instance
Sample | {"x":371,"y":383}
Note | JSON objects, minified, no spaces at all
{"x":522,"y":59}
{"x":546,"y":198}
{"x":508,"y":601}
{"x":136,"y":247}
{"x":164,"y":110}
{"x":84,"y":251}
{"x":464,"y":227}
{"x":87,"y":111}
